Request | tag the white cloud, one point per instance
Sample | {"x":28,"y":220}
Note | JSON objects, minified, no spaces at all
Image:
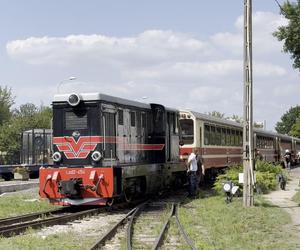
{"x":176,"y":69}
{"x":152,"y":46}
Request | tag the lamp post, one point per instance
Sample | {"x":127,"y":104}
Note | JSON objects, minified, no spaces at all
{"x":72,"y":78}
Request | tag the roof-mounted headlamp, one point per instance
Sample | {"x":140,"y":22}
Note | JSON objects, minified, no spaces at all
{"x":74,"y":99}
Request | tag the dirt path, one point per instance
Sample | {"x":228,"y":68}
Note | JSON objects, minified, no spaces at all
{"x":283,"y":199}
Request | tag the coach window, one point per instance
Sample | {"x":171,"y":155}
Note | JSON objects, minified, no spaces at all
{"x":223,"y":137}
{"x":227,"y":137}
{"x":212,"y":136}
{"x":237,"y":139}
{"x":241,"y":138}
{"x":206,"y":134}
{"x":232,"y":137}
{"x":218,"y":136}
{"x":132,"y":119}
{"x":187,"y":130}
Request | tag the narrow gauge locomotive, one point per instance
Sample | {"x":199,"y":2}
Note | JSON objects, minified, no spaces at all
{"x":107,"y":147}
{"x":220,"y":142}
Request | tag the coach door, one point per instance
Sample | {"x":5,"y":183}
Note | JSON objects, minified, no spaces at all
{"x":158,"y":136}
{"x":109,"y":131}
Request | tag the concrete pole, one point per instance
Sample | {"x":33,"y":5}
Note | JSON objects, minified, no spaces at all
{"x":248,"y":147}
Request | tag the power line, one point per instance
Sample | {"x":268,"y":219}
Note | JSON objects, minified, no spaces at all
{"x":284,"y":12}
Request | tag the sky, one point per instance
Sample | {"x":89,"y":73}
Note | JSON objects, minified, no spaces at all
{"x":182,"y":54}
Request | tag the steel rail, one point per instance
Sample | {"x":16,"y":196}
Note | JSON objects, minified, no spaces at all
{"x":130,"y":226}
{"x":10,"y":230}
{"x":159,"y":239}
{"x":31,"y":216}
{"x":183,"y":232}
{"x":111,"y":232}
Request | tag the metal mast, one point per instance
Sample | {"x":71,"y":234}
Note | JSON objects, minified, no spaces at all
{"x":248,"y":149}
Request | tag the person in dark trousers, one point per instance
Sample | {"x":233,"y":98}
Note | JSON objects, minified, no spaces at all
{"x":192,"y":167}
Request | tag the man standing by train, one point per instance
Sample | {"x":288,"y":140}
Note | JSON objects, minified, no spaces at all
{"x":192,"y":167}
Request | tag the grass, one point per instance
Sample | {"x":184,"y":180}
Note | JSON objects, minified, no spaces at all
{"x":18,"y":204}
{"x":209,"y":221}
{"x":213,"y":224}
{"x":296,"y":198}
{"x":65,"y":240}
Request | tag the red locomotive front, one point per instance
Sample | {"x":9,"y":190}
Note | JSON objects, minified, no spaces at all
{"x":77,"y":186}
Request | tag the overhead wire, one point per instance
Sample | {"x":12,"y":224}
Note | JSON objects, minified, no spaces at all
{"x":284,"y":12}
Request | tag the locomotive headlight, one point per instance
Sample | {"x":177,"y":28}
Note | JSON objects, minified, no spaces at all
{"x":96,"y":156}
{"x":74,"y":100}
{"x":56,"y":157}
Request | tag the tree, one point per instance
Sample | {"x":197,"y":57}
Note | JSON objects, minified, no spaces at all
{"x":28,"y":116}
{"x":296,"y":129}
{"x":216,"y":114}
{"x":288,"y":120}
{"x":290,"y":33}
{"x":235,"y":118}
{"x":6,"y":101}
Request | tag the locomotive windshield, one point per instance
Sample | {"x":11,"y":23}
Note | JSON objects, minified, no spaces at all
{"x":76,"y":119}
{"x":187,"y":130}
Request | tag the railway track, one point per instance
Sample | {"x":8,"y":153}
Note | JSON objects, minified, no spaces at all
{"x":147,"y":228}
{"x":16,"y":225}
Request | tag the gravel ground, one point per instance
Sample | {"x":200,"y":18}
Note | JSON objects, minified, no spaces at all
{"x":283,"y":199}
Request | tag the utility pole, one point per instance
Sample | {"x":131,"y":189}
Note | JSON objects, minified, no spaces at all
{"x":248,"y":149}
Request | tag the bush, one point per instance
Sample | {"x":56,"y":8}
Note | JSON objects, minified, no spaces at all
{"x":265,"y":182}
{"x":231,"y":174}
{"x":264,"y":166}
{"x":266,"y":177}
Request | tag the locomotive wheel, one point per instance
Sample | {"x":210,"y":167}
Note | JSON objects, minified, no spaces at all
{"x":128,"y":195}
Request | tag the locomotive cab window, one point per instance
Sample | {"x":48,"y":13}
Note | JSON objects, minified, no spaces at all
{"x":120,"y":117}
{"x":76,"y":119}
{"x":187,"y":130}
{"x":132,"y":119}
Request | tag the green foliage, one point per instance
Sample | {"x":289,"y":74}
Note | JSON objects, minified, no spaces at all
{"x":6,"y":101}
{"x":296,"y":198}
{"x":28,"y":116}
{"x":288,"y":120}
{"x":296,"y":129}
{"x":235,"y":118}
{"x":232,"y":174}
{"x":266,"y":177}
{"x":290,"y":33}
{"x":264,"y":166}
{"x":216,"y":114}
{"x":265,"y":181}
